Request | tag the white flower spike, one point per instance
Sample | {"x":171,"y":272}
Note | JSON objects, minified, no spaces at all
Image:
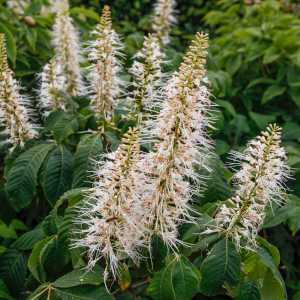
{"x":163,"y":19}
{"x":182,"y":144}
{"x":67,"y":49}
{"x":259,"y":183}
{"x":110,"y":219}
{"x":104,"y":55}
{"x":14,"y":111}
{"x":147,"y":75}
{"x":52,"y":86}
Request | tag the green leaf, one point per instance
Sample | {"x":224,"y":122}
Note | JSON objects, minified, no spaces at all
{"x":73,"y":196}
{"x":272,"y":92}
{"x":62,"y":125}
{"x":35,"y":260}
{"x":22,"y":177}
{"x":80,"y":277}
{"x":221,"y":265}
{"x":89,"y":148}
{"x":83,"y":293}
{"x":4,"y":292}
{"x":227,"y":106}
{"x":271,"y":55}
{"x":7,"y":232}
{"x":233,"y":64}
{"x":179,"y":280}
{"x":57,"y":173}
{"x":56,"y":251}
{"x":262,"y":120}
{"x":13,"y":270}
{"x":261,"y":266}
{"x":29,"y":239}
{"x":248,"y":291}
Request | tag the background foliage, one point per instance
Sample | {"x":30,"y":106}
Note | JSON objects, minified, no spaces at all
{"x":254,"y":65}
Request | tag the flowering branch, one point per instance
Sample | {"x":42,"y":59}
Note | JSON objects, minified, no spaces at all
{"x":106,"y":85}
{"x":147,"y":74}
{"x":163,"y":19}
{"x":111,"y":217}
{"x":67,"y":49}
{"x":259,"y":183}
{"x":183,"y":144}
{"x":14,"y":113}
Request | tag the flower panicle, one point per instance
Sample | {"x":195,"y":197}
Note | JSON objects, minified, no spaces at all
{"x":148,"y":77}
{"x":14,"y":108}
{"x":67,"y":49}
{"x":259,"y":183}
{"x":104,"y":54}
{"x":110,"y":220}
{"x":180,"y":134}
{"x":163,"y":19}
{"x":52,"y":85}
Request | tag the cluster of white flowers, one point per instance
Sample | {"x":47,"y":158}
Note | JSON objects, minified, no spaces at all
{"x":147,"y":75}
{"x":14,"y":111}
{"x":259,"y":183}
{"x":182,"y":144}
{"x":111,"y":217}
{"x":67,"y":49}
{"x":52,"y":86}
{"x":163,"y":19}
{"x":104,"y":53}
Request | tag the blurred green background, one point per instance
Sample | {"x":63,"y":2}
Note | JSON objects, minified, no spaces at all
{"x":253,"y":68}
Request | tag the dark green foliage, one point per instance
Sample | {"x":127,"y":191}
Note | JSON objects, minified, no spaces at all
{"x":254,"y":70}
{"x":222,"y":265}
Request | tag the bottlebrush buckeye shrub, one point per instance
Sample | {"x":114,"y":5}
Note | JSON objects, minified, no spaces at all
{"x":105,"y":196}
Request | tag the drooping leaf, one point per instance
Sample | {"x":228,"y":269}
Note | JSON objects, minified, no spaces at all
{"x":35,"y":260}
{"x":221,"y":265}
{"x":13,"y":270}
{"x":57,"y":173}
{"x":22,"y":177}
{"x":272,"y":92}
{"x":179,"y":280}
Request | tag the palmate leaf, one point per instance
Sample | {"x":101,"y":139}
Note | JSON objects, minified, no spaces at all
{"x":89,"y":148}
{"x":22,"y":177}
{"x":179,"y":280}
{"x":13,"y":270}
{"x":57,"y":173}
{"x":221,"y":265}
